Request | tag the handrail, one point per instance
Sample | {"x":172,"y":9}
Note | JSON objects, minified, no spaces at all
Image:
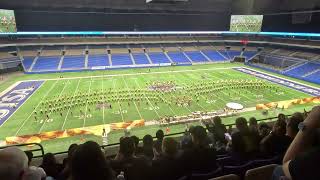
{"x":109,"y":145}
{"x":28,"y":144}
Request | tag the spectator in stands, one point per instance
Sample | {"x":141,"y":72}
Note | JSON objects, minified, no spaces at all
{"x":167,"y":167}
{"x":245,"y":143}
{"x":282,"y":117}
{"x":219,"y":130}
{"x":147,"y":148}
{"x":292,"y":124}
{"x":264,"y":130}
{"x":276,"y":143}
{"x":136,"y":144}
{"x":157,"y":150}
{"x":301,"y":159}
{"x":186,"y":140}
{"x":130,"y":164}
{"x":253,"y":125}
{"x":13,"y":164}
{"x":50,"y":165}
{"x":201,"y":157}
{"x":89,"y":162}
{"x":66,"y":163}
{"x":34,"y":172}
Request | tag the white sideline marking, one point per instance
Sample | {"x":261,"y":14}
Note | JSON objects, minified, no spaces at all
{"x":36,"y":107}
{"x":131,"y":95}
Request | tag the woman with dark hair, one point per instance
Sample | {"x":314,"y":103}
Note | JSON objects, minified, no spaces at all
{"x":147,"y":147}
{"x":50,"y":165}
{"x":89,"y":162}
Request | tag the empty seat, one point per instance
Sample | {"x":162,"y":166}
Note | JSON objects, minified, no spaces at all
{"x":260,"y":173}
{"x":140,"y":58}
{"x":196,"y":56}
{"x":46,"y":63}
{"x":73,"y":62}
{"x":158,"y":58}
{"x":27,"y":62}
{"x":227,"y":177}
{"x":98,"y":60}
{"x":121,"y":59}
{"x":214,"y":55}
{"x":178,"y":57}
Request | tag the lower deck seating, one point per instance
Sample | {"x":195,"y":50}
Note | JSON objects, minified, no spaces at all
{"x":73,"y":62}
{"x":303,"y":69}
{"x":98,"y":60}
{"x":315,"y":77}
{"x":249,"y":54}
{"x":27,"y":62}
{"x":46,"y":63}
{"x":121,"y":59}
{"x":158,"y":58}
{"x":230,"y":54}
{"x":178,"y":57}
{"x":196,"y":56}
{"x":214,"y":55}
{"x":140,"y":58}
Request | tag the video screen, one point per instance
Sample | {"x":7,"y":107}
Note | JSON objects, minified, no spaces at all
{"x":246,"y":23}
{"x":7,"y":21}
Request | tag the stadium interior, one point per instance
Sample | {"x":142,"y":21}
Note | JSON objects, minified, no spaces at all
{"x":159,"y":90}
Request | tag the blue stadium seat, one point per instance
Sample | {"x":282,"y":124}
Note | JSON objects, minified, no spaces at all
{"x":158,"y":57}
{"x":98,"y":60}
{"x":140,"y":58}
{"x":249,"y":54}
{"x":121,"y":59}
{"x":214,"y":55}
{"x":196,"y":56}
{"x":27,"y":62}
{"x":302,"y":70}
{"x":178,"y":57}
{"x":314,"y":77}
{"x":46,"y":63}
{"x":73,"y":62}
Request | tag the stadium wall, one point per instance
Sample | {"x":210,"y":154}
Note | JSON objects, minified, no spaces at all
{"x":76,"y":21}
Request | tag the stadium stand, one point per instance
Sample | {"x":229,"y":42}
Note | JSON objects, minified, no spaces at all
{"x":303,"y":69}
{"x":73,"y":62}
{"x":46,"y":64}
{"x":214,"y":55}
{"x":121,"y":59}
{"x":98,"y":60}
{"x":196,"y":56}
{"x":27,"y":61}
{"x":158,"y":57}
{"x":178,"y":57}
{"x":140,"y":58}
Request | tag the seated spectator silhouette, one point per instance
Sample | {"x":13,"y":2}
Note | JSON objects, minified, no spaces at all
{"x":264,"y":130}
{"x":136,"y":144}
{"x":293,"y":123}
{"x":159,"y":136}
{"x":130,"y":164}
{"x":50,"y":165}
{"x":147,"y":147}
{"x":253,"y":125}
{"x":245,"y":143}
{"x":167,"y":167}
{"x":89,"y":162}
{"x":302,"y":157}
{"x":277,"y":142}
{"x":66,"y":163}
{"x":219,"y":130}
{"x":34,"y":172}
{"x":13,"y":164}
{"x":201,"y":158}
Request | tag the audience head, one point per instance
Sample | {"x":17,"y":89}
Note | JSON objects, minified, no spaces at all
{"x":169,"y":146}
{"x":241,"y":124}
{"x":292,"y":124}
{"x":159,"y":135}
{"x":147,"y":141}
{"x":217,"y":120}
{"x":127,"y":147}
{"x":199,"y":136}
{"x":49,"y":160}
{"x":264,"y":129}
{"x":29,"y":154}
{"x":71,"y":149}
{"x":88,"y":162}
{"x":13,"y":163}
{"x":279,"y":128}
{"x":253,"y":124}
{"x":135,"y":140}
{"x":282,"y":117}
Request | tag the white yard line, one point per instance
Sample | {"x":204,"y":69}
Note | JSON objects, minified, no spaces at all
{"x":132,"y":96}
{"x":44,"y":122}
{"x":85,"y":114}
{"x":114,"y":87}
{"x":24,"y":122}
{"x":103,"y":102}
{"x":148,"y":100}
{"x":65,"y":119}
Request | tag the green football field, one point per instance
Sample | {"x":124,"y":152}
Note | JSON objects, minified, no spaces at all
{"x":123,"y":86}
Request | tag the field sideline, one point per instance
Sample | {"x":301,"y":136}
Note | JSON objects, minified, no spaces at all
{"x":23,"y":121}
